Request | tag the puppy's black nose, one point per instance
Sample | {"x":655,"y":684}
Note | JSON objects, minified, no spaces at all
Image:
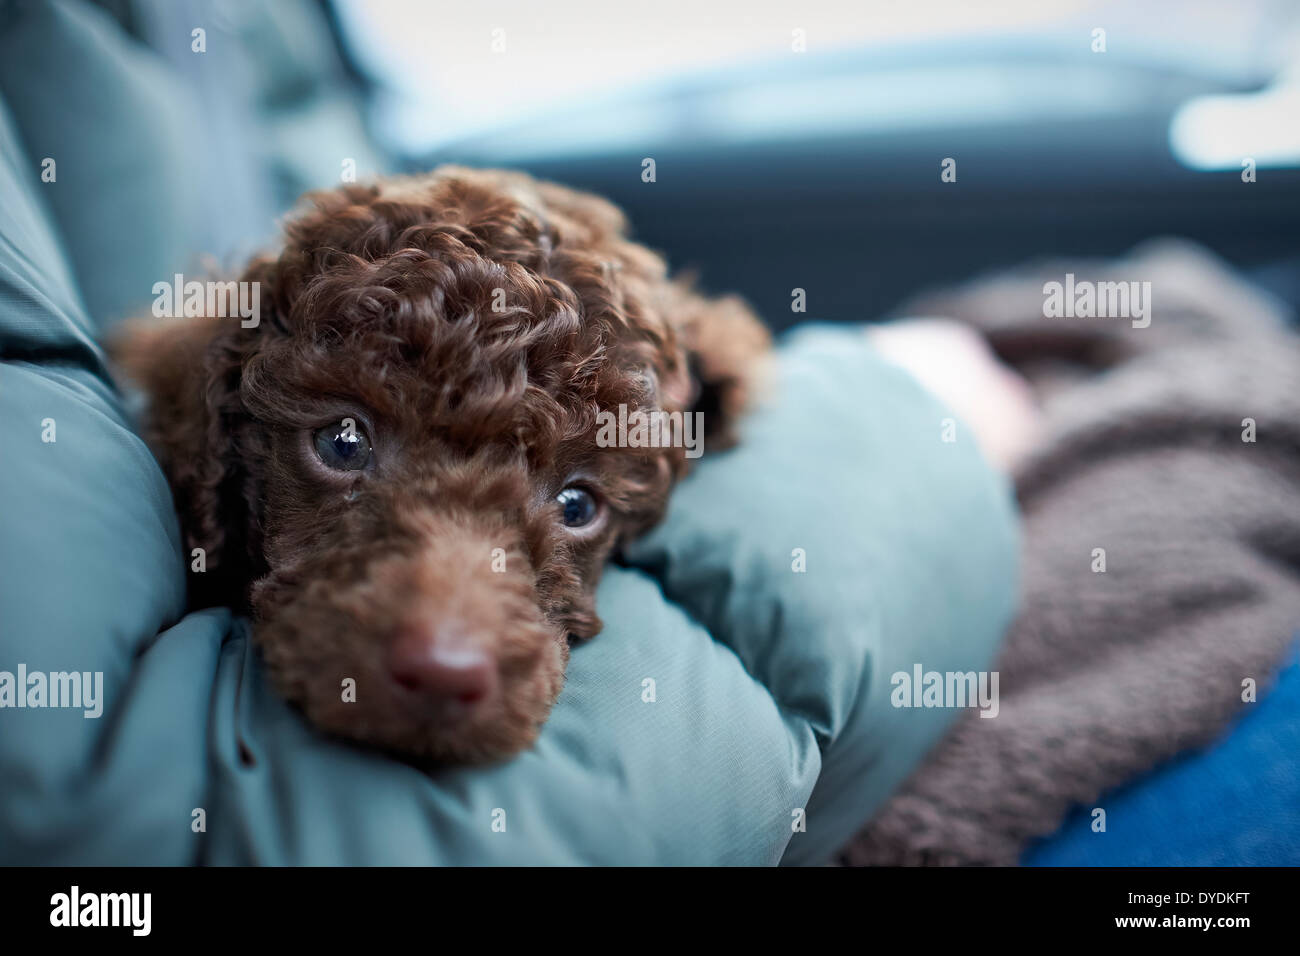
{"x":444,"y":669}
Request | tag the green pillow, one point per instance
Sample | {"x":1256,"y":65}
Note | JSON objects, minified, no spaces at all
{"x":165,"y":157}
{"x":123,"y":138}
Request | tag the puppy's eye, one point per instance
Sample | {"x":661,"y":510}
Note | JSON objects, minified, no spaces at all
{"x":577,"y":506}
{"x":343,"y":447}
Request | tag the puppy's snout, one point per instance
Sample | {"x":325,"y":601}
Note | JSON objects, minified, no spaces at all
{"x":442,"y":667}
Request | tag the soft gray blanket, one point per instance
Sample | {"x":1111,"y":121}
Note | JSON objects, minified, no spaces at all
{"x":1105,"y":675}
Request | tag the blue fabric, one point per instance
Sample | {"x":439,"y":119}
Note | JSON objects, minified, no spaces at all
{"x":1236,"y":804}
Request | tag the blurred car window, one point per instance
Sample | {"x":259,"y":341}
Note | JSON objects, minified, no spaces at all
{"x":453,"y":73}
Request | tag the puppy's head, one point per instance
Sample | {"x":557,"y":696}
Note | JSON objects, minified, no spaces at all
{"x":410,"y":471}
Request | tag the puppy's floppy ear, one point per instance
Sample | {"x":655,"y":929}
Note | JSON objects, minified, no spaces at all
{"x":728,"y":357}
{"x":189,"y":370}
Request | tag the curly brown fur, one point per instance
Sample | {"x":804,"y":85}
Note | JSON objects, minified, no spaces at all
{"x":380,"y":308}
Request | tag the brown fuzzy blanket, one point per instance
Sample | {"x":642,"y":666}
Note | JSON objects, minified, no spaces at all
{"x":1105,"y":675}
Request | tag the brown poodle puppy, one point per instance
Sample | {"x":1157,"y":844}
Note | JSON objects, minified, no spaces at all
{"x":400,"y":472}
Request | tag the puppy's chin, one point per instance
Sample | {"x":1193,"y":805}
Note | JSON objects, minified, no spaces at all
{"x":371,"y":710}
{"x":450,"y":733}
